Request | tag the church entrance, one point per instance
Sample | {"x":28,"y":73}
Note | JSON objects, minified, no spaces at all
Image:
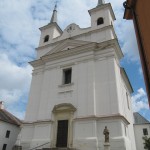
{"x":62,"y":133}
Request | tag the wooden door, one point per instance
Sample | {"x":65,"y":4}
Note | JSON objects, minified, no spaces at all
{"x":62,"y":133}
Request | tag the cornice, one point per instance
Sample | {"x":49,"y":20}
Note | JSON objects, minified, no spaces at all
{"x":126,"y":80}
{"x":79,"y":50}
{"x":66,"y":43}
{"x":88,"y":32}
{"x":93,"y":117}
{"x":50,"y":25}
{"x":37,"y":122}
{"x":71,"y":52}
{"x":111,"y":43}
{"x":38,"y":62}
{"x":100,"y":118}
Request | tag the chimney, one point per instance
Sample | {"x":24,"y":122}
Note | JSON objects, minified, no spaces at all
{"x":1,"y":105}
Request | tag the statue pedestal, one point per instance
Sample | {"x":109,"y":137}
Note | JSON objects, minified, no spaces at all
{"x":106,"y":146}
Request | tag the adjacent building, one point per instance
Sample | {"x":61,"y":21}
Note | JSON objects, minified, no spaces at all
{"x":141,"y":129}
{"x":139,"y":12}
{"x":78,"y":88}
{"x":9,"y":129}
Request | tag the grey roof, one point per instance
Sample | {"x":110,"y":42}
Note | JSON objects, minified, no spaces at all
{"x":139,"y":119}
{"x":9,"y":118}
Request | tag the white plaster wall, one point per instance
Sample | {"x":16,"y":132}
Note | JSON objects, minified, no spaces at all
{"x":41,"y":135}
{"x":99,"y":35}
{"x":138,"y":129}
{"x":34,"y":97}
{"x":85,"y":135}
{"x":105,"y":14}
{"x":117,"y":137}
{"x":94,"y":91}
{"x":105,"y":86}
{"x":44,"y":50}
{"x":95,"y":33}
{"x":125,"y":106}
{"x":52,"y":31}
{"x":97,"y":89}
{"x":14,"y":131}
{"x":26,"y":135}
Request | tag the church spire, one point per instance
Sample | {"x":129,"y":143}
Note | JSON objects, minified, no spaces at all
{"x":100,"y":2}
{"x":54,"y":15}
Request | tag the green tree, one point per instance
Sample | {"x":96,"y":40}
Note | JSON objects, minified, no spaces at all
{"x":146,"y":143}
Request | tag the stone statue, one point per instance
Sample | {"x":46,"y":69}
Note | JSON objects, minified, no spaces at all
{"x":106,"y":133}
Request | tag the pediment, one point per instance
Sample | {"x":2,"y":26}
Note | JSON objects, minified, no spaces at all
{"x":65,"y":107}
{"x":67,"y":45}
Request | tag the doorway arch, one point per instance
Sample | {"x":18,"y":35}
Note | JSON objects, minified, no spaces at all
{"x":63,"y":125}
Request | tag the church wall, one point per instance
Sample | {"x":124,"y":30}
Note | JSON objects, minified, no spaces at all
{"x":125,"y":105}
{"x":85,"y":135}
{"x":93,"y":86}
{"x":85,"y":89}
{"x":116,"y":130}
{"x":105,"y":85}
{"x":34,"y":97}
{"x":48,"y":93}
{"x":27,"y":133}
{"x":99,"y":35}
{"x":52,"y":32}
{"x":104,"y":13}
{"x":43,"y":34}
{"x":41,"y":135}
{"x":44,"y":50}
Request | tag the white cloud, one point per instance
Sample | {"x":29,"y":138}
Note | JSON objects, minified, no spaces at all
{"x":14,"y":80}
{"x":139,"y":100}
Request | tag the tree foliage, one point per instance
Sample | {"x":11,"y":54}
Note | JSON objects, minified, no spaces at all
{"x":146,"y":143}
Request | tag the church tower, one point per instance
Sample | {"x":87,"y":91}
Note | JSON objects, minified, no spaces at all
{"x":78,"y":88}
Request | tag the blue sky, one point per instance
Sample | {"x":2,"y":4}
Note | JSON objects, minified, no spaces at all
{"x":20,"y":21}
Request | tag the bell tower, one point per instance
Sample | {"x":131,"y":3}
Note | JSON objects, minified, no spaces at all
{"x":102,"y":15}
{"x":51,"y":30}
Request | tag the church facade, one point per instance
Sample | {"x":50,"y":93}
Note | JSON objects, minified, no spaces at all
{"x":78,"y":88}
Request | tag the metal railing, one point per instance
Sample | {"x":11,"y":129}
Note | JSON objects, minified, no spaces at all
{"x":39,"y":146}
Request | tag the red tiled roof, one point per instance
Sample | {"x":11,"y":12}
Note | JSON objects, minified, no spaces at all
{"x":9,"y":118}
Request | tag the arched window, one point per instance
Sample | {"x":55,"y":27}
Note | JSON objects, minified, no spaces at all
{"x":100,"y":21}
{"x":46,"y":38}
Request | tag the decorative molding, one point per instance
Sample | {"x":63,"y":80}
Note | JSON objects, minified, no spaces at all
{"x":126,"y":80}
{"x":65,"y":107}
{"x":110,"y":117}
{"x":66,"y":85}
{"x":37,"y":122}
{"x":86,"y":32}
{"x":66,"y":43}
{"x":51,"y":25}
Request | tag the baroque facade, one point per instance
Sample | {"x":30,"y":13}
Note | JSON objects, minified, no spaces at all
{"x":78,"y":88}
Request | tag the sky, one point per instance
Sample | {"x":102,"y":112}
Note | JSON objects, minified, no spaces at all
{"x":20,"y":21}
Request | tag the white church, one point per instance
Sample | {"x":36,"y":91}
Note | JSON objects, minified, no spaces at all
{"x":78,"y":88}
